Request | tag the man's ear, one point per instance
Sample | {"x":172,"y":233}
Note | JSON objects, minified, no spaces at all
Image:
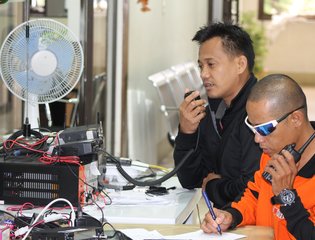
{"x":241,"y":64}
{"x":297,"y":118}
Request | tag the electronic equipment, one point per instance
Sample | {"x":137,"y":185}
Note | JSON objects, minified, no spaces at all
{"x":28,"y":180}
{"x":190,"y":92}
{"x":296,"y":155}
{"x":80,"y":133}
{"x":69,"y":233}
{"x":82,"y":141}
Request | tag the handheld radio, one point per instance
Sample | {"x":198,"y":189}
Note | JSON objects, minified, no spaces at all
{"x":190,"y":92}
{"x":296,"y":155}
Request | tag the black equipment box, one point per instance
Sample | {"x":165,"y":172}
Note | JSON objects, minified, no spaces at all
{"x":27,"y":180}
{"x":76,"y":234}
{"x":66,"y":233}
{"x":82,"y":141}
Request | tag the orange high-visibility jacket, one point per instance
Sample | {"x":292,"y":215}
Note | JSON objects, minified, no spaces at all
{"x":289,"y":222}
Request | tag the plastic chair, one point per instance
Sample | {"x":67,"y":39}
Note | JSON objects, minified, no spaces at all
{"x":194,"y":74}
{"x":161,"y":81}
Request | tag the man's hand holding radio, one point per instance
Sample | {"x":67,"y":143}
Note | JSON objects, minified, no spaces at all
{"x":191,"y":111}
{"x":283,"y":170}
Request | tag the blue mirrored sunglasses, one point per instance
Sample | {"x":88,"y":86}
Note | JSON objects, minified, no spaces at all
{"x":265,"y":129}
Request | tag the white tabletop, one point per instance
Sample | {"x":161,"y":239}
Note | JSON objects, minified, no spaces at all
{"x":135,"y":207}
{"x":173,"y":208}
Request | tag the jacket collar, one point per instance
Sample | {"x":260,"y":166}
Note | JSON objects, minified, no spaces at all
{"x":239,"y":101}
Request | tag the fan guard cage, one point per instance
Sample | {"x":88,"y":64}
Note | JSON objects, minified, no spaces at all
{"x":44,"y":67}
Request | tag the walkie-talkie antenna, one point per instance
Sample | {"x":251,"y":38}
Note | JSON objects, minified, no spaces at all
{"x":301,"y":150}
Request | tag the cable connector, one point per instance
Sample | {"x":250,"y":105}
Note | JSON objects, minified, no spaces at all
{"x":52,"y":217}
{"x":88,"y":196}
{"x":21,"y":231}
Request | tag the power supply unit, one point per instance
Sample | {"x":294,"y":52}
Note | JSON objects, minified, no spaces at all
{"x":73,"y":233}
{"x":26,"y":180}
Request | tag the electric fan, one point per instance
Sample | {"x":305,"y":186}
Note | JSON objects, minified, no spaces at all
{"x":41,"y":61}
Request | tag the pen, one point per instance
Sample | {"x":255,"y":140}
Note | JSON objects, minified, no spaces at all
{"x":211,"y":210}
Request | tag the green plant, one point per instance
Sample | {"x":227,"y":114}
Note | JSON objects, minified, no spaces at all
{"x":256,"y":31}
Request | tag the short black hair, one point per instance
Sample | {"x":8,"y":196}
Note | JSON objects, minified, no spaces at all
{"x":235,"y":40}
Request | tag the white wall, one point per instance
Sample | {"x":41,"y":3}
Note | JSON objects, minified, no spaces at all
{"x":290,"y":47}
{"x":158,"y":39}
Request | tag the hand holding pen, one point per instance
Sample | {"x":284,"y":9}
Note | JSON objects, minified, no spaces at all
{"x":216,"y":220}
{"x":214,"y":217}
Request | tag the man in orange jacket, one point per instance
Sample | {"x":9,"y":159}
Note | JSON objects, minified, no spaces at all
{"x":281,"y":193}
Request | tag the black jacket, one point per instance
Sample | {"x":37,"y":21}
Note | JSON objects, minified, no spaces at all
{"x":231,"y":152}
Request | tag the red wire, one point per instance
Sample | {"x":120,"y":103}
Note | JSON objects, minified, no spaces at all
{"x":19,"y":209}
{"x":26,"y":206}
{"x":47,"y":159}
{"x":25,"y":145}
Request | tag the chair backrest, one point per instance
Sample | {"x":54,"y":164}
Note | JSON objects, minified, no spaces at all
{"x":183,"y":76}
{"x":194,"y":73}
{"x":169,"y":106}
{"x":176,"y":87}
{"x":171,"y":84}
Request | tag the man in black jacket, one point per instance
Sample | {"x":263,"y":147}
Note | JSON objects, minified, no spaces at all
{"x":225,"y":155}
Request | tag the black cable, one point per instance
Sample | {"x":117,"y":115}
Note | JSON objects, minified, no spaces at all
{"x":151,"y":175}
{"x":107,"y":223}
{"x":198,"y":138}
{"x":148,"y":183}
{"x":110,"y":200}
{"x":102,"y":220}
{"x":160,"y":180}
{"x":117,"y":233}
{"x":93,"y":188}
{"x":80,"y":178}
{"x":10,"y":149}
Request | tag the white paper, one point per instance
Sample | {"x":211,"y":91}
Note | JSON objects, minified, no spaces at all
{"x":139,"y":198}
{"x":142,"y":234}
{"x":200,"y":235}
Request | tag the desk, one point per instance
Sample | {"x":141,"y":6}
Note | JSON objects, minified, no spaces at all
{"x":175,"y":213}
{"x":252,"y":232}
{"x":183,"y":203}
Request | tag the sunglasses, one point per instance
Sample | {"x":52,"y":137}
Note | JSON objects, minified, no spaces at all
{"x":265,"y":129}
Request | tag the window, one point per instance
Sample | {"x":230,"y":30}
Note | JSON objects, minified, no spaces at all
{"x":38,"y":6}
{"x":304,"y":8}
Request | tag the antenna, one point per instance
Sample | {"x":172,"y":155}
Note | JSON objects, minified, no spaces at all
{"x":27,"y":125}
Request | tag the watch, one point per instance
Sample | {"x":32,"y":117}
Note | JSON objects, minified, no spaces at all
{"x":286,"y":197}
